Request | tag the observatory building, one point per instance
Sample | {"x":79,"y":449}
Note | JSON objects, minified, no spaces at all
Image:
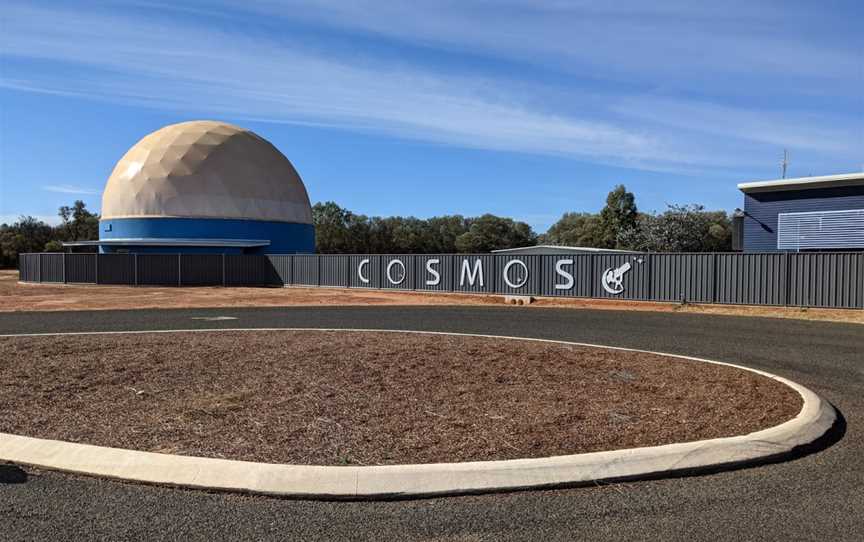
{"x":205,"y":187}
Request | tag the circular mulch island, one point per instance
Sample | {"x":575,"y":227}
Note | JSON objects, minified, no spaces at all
{"x":370,"y":398}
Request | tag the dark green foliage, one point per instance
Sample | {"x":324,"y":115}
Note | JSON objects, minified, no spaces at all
{"x":618,"y":216}
{"x":339,"y":231}
{"x":575,"y":230}
{"x":31,"y":235}
{"x":681,"y":228}
{"x":490,"y":232}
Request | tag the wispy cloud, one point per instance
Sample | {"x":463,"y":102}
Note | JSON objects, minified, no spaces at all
{"x":70,"y":189}
{"x":204,"y":69}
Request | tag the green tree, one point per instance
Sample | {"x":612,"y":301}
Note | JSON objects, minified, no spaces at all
{"x":26,"y":235}
{"x":441,"y":233}
{"x":575,"y":229}
{"x":618,"y":216}
{"x":77,"y":223}
{"x":681,"y":228}
{"x":490,"y":232}
{"x":332,"y":234}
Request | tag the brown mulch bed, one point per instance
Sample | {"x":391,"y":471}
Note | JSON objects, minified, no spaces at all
{"x":334,"y":398}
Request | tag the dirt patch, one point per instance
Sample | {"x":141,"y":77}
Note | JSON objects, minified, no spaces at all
{"x":333,"y":398}
{"x":15,"y":296}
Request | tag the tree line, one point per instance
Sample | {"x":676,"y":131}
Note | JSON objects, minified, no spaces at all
{"x":29,"y":234}
{"x":619,"y":225}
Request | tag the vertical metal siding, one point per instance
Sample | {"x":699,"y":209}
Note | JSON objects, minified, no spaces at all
{"x":751,"y":279}
{"x":399,"y":278}
{"x":682,"y":277}
{"x":529,"y":273}
{"x":117,"y":268}
{"x":51,"y":267}
{"x":371,"y":271}
{"x":28,"y":267}
{"x":826,"y":280}
{"x":581,"y":269}
{"x":305,"y":270}
{"x":334,"y":270}
{"x":282,"y":267}
{"x":636,"y":280}
{"x":444,"y":267}
{"x":461,"y":275}
{"x":776,"y":278}
{"x":156,"y":269}
{"x":81,"y":268}
{"x":200,"y":269}
{"x":250,"y":270}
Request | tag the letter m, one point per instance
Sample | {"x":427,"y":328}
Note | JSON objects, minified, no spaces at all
{"x":471,"y":274}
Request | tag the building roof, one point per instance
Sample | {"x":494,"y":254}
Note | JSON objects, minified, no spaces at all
{"x":205,"y":169}
{"x":156,"y":242}
{"x":804,"y":183}
{"x":557,"y":249}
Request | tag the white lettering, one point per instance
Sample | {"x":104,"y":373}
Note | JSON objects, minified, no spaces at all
{"x":390,"y":267}
{"x":559,"y":268}
{"x":472,"y":274}
{"x":360,"y":267}
{"x":507,"y":267}
{"x":434,"y":281}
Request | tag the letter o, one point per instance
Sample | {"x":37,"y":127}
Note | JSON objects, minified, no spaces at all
{"x":507,"y":271}
{"x":404,"y":272}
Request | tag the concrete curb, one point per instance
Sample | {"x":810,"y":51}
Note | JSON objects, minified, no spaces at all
{"x":382,"y":482}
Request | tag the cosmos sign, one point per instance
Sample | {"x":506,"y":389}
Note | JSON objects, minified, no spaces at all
{"x":473,"y":272}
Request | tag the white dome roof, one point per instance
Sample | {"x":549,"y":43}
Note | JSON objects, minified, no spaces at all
{"x":205,"y":169}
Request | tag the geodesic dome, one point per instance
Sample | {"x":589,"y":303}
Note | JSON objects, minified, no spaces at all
{"x":205,"y":169}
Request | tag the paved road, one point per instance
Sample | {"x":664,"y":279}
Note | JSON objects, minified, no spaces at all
{"x":817,"y":496}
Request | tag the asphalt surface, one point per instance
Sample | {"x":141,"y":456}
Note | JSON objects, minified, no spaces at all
{"x":818,"y":496}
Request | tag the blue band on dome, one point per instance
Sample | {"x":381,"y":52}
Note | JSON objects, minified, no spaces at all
{"x":284,"y":237}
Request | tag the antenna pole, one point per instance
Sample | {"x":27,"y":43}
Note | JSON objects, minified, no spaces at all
{"x":785,"y":162}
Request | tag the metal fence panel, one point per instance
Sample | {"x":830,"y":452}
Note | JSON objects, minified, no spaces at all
{"x":158,"y":269}
{"x":334,"y":270}
{"x":475,"y":273}
{"x":51,"y":267}
{"x":399,"y":271}
{"x":250,"y":270}
{"x":81,"y":268}
{"x":201,"y":270}
{"x":305,"y":270}
{"x":117,"y":269}
{"x":282,"y":266}
{"x":519,"y":275}
{"x":621,"y":276}
{"x":826,"y":280}
{"x":566,"y":275}
{"x":751,"y":279}
{"x":434,"y":272}
{"x":28,"y":267}
{"x":682,"y":277}
{"x":365,"y":271}
{"x":804,"y":279}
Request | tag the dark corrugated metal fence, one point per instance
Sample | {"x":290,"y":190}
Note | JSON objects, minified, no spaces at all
{"x":824,"y":279}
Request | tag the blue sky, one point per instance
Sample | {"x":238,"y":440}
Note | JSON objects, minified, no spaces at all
{"x":521,"y":108}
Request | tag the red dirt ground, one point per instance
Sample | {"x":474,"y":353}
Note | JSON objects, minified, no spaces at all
{"x":15,"y":296}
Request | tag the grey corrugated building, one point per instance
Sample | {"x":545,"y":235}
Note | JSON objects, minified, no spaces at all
{"x":807,"y":213}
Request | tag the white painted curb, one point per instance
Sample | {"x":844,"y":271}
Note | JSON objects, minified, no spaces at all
{"x":814,"y":420}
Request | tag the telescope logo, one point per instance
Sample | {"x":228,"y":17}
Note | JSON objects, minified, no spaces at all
{"x":612,"y":279}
